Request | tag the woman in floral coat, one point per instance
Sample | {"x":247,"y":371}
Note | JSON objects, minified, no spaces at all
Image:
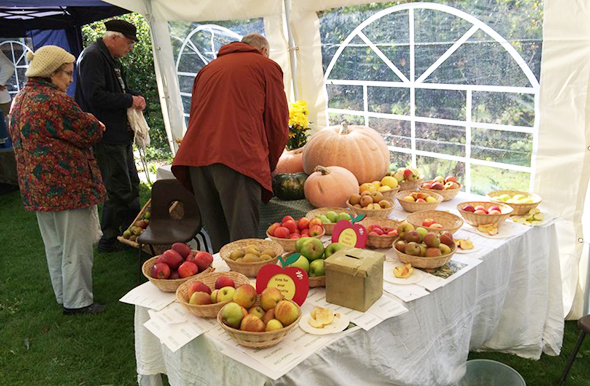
{"x":58,"y":176}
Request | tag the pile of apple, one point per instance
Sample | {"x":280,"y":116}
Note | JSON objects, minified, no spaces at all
{"x":440,"y":183}
{"x":405,"y":174}
{"x":312,"y":255}
{"x":137,"y":227}
{"x":387,"y":183}
{"x":431,"y":223}
{"x":378,"y":230}
{"x":421,"y":242}
{"x":199,"y":293}
{"x":494,"y":209}
{"x":331,"y":217}
{"x":180,"y":262}
{"x":273,"y":313}
{"x":288,"y":228}
{"x":419,"y":197}
{"x":252,"y":253}
{"x":516,"y":199}
{"x":369,"y":200}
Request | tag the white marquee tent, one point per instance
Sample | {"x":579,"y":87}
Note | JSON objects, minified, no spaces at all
{"x":561,"y":153}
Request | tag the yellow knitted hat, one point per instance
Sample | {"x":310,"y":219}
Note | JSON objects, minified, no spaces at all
{"x":46,"y":60}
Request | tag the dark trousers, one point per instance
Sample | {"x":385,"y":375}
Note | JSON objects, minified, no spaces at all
{"x":229,"y":203}
{"x":121,"y":180}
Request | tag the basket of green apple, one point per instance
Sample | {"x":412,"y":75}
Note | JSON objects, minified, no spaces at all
{"x":205,"y":296}
{"x":312,"y":254}
{"x":520,"y":202}
{"x":329,"y":216}
{"x":423,"y":249}
{"x":259,"y":321}
{"x":248,"y":256}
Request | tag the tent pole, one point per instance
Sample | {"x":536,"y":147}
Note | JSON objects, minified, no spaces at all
{"x":292,"y":49}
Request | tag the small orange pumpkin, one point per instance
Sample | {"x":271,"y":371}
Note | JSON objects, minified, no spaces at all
{"x":359,"y":149}
{"x":330,"y":186}
{"x":291,"y":161}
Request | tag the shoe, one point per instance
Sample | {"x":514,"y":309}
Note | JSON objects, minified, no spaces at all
{"x":115,"y":246}
{"x":94,"y":308}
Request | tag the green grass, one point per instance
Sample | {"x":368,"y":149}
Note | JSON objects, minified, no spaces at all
{"x":40,"y":346}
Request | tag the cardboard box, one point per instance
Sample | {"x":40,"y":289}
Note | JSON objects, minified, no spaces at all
{"x":354,"y":278}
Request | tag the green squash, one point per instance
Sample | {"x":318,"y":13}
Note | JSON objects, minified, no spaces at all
{"x":289,"y":186}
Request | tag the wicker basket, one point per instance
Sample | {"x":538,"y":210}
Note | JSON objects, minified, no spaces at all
{"x":519,"y":209}
{"x":417,"y":206}
{"x":426,"y":262}
{"x":372,"y":212}
{"x":390,"y":193}
{"x":168,"y":285}
{"x":410,"y":185}
{"x":258,"y":339}
{"x":207,"y":310}
{"x":289,"y":244}
{"x":383,"y":241}
{"x":317,"y":281}
{"x":477,"y":219}
{"x":249,"y":269}
{"x":450,"y":222}
{"x":329,"y":227}
{"x":447,"y":194}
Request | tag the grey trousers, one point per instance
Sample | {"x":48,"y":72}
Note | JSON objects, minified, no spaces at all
{"x":229,"y":203}
{"x":68,"y":239}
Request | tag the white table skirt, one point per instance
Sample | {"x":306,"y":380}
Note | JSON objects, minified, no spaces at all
{"x":510,"y":303}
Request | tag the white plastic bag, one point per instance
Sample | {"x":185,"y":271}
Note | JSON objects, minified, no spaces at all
{"x":139,"y":127}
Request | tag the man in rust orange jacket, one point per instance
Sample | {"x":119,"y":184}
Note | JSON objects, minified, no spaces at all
{"x":238,"y":128}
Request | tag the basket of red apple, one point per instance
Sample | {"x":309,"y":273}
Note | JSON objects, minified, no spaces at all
{"x":248,"y":256}
{"x":371,"y":204}
{"x":329,"y":216}
{"x":407,"y":178}
{"x":289,"y":230}
{"x":382,"y":231}
{"x":478,"y":213}
{"x":414,"y":201}
{"x":175,"y":266}
{"x":521,"y":202}
{"x":259,"y":321}
{"x":206,"y":295}
{"x":435,"y":220}
{"x":423,"y":249}
{"x":447,"y":187}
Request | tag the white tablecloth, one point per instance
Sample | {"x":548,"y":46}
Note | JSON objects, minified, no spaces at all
{"x":510,"y":303}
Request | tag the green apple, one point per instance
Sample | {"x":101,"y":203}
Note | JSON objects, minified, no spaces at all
{"x":302,"y":263}
{"x":333,"y":248}
{"x":313,"y":249}
{"x":343,"y":216}
{"x":232,"y":315}
{"x":299,"y":243}
{"x":214,"y":296}
{"x":225,"y":294}
{"x":332,"y":216}
{"x":422,"y":231}
{"x":325,"y":219}
{"x":316,"y":268}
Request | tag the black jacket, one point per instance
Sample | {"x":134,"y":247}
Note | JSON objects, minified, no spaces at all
{"x":99,"y":92}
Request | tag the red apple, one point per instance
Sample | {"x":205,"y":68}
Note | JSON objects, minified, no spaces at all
{"x":316,"y":230}
{"x":160,"y":271}
{"x":281,"y":232}
{"x":315,"y":221}
{"x":494,"y":207}
{"x":171,"y":258}
{"x":392,"y":232}
{"x":188,"y":268}
{"x":421,"y":200}
{"x":224,"y":281}
{"x":203,"y":260}
{"x":451,"y":185}
{"x":287,"y":218}
{"x":294,"y":236}
{"x":480,"y":211}
{"x":450,"y":178}
{"x":427,"y":185}
{"x":272,"y":227}
{"x":305,"y":233}
{"x":303,"y":223}
{"x":182,"y":248}
{"x":436,"y":226}
{"x":428,"y":222}
{"x":387,"y":229}
{"x":198,"y":286}
{"x":378,"y":230}
{"x":480,"y":207}
{"x":252,"y":323}
{"x":200,"y":298}
{"x":437,"y":186}
{"x":291,"y":225}
{"x":174,"y":275}
{"x":469,"y":208}
{"x":408,"y":174}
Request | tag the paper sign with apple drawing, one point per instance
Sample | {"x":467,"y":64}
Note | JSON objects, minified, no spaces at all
{"x":350,"y":234}
{"x":293,"y":282}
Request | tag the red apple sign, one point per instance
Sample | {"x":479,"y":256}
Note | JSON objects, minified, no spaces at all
{"x":350,"y":234}
{"x":292,"y":281}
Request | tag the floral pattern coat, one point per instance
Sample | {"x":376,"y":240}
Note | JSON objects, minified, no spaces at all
{"x":52,"y":139}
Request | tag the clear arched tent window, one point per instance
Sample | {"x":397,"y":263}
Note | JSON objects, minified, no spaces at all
{"x":196,"y":44}
{"x":16,"y":52}
{"x":448,"y":92}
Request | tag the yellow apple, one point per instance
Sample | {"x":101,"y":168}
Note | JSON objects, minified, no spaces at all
{"x":389,"y":181}
{"x":430,"y":199}
{"x":245,"y":295}
{"x":252,"y":323}
{"x":270,"y":297}
{"x":273,"y":325}
{"x":286,"y":312}
{"x":258,"y":311}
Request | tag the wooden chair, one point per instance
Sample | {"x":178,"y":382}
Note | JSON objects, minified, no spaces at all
{"x":165,"y":228}
{"x":584,"y":325}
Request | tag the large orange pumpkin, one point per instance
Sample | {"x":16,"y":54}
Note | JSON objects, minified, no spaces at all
{"x":359,"y":149}
{"x":330,"y":186}
{"x":291,"y":161}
